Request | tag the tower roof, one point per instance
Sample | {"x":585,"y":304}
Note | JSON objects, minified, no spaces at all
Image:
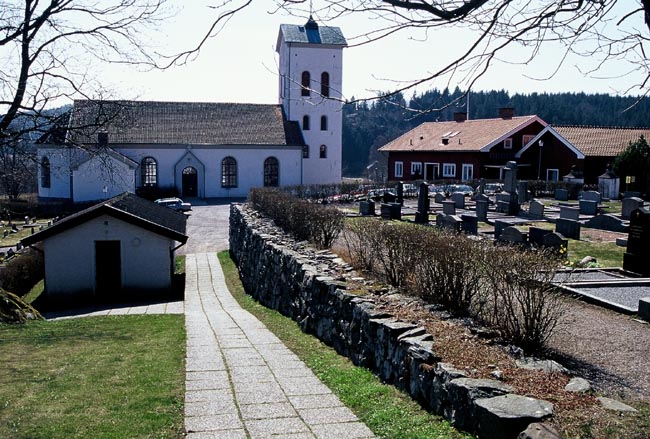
{"x":312,"y":33}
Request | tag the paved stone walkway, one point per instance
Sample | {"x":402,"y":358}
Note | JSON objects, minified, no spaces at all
{"x":116,"y":310}
{"x":241,"y":381}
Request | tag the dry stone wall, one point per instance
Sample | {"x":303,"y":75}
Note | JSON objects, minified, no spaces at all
{"x":309,"y":286}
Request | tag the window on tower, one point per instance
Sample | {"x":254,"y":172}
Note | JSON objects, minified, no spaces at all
{"x":323,"y":123}
{"x":305,"y":83}
{"x":325,"y":84}
{"x":305,"y":123}
{"x":323,"y":152}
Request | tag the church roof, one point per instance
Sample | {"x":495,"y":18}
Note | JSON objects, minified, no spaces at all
{"x":193,"y":123}
{"x":312,"y":33}
{"x":127,"y":207}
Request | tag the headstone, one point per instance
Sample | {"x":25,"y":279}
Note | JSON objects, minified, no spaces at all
{"x":389,"y":197}
{"x":644,"y":308}
{"x":588,"y":207}
{"x":561,"y":194}
{"x":556,"y":242}
{"x":499,"y":226}
{"x":536,"y":209}
{"x":400,"y":193}
{"x":568,"y":212}
{"x":422,"y":214}
{"x":5,"y":233}
{"x":26,"y":220}
{"x":449,"y":207}
{"x":481,"y":210}
{"x":630,"y":204}
{"x":607,"y":222}
{"x":536,"y":235}
{"x":482,"y":197}
{"x":391,"y":211}
{"x":439,"y":198}
{"x":568,"y":228}
{"x":510,"y":187}
{"x":513,"y":235}
{"x":19,"y":246}
{"x":481,"y":186}
{"x":452,"y":223}
{"x":522,"y":191}
{"x":591,"y":196}
{"x":367,"y":208}
{"x":459,"y":199}
{"x":470,"y":224}
{"x":637,"y":255}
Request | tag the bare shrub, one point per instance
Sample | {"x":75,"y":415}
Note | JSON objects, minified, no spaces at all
{"x":22,"y":272}
{"x":396,"y":245}
{"x":325,"y":224}
{"x":360,"y":242}
{"x":521,"y":300}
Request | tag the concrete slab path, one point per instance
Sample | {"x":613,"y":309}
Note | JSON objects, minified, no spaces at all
{"x":241,"y":381}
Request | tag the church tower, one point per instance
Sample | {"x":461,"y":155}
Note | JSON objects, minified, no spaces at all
{"x":311,"y":68}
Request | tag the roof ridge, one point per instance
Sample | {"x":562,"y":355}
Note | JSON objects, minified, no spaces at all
{"x":605,"y":127}
{"x":133,"y":101}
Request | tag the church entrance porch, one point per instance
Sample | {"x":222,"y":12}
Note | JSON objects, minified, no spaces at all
{"x":190,"y":182}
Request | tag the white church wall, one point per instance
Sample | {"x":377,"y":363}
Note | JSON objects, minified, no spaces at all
{"x":101,"y":178}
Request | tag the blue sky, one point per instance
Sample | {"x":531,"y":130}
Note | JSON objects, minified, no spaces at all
{"x":239,"y":64}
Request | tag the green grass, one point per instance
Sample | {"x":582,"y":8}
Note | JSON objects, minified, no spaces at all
{"x":99,"y":377}
{"x":36,"y":291}
{"x":388,"y":412}
{"x":179,"y":264}
{"x":608,"y":254}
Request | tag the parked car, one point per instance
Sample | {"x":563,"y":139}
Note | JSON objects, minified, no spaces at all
{"x":174,"y":203}
{"x":492,"y":188}
{"x":467,"y":190}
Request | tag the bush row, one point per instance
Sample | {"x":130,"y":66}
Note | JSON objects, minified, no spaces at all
{"x":22,"y":272}
{"x":313,"y":222}
{"x":500,"y":286}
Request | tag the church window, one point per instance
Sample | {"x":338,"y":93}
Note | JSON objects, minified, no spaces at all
{"x":323,"y":123}
{"x":149,"y":172}
{"x":305,"y":152}
{"x":45,"y":172}
{"x":228,"y":172}
{"x":305,"y":123}
{"x":305,"y":84}
{"x":325,"y":84}
{"x":271,"y":172}
{"x":323,"y":151}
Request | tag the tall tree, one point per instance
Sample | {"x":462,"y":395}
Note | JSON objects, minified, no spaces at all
{"x":635,"y":162}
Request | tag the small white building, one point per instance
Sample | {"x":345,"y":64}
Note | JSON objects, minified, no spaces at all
{"x":208,"y":150}
{"x":120,"y":248}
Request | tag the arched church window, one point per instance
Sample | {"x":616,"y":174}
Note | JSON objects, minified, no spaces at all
{"x":323,"y":123}
{"x":306,"y":79}
{"x":305,"y":152}
{"x":305,"y":123}
{"x":45,"y":172}
{"x":228,"y":172}
{"x":323,"y":152}
{"x":271,"y":172}
{"x":149,"y":172}
{"x":325,"y":84}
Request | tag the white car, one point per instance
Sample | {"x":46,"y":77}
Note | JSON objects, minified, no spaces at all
{"x":174,"y":203}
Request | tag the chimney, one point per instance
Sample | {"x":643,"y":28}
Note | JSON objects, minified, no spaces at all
{"x":506,"y":112}
{"x":102,"y":139}
{"x":460,"y":116}
{"x":445,"y":140}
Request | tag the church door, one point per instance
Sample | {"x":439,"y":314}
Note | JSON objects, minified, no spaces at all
{"x":190,"y":182}
{"x":108,"y":268}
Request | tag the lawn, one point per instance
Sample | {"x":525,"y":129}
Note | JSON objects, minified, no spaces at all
{"x":388,"y":412}
{"x":99,"y":377}
{"x":608,"y":254}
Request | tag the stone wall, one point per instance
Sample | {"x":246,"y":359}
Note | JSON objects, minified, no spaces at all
{"x":310,"y":287}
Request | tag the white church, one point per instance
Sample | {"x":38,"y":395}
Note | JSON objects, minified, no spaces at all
{"x":206,"y":150}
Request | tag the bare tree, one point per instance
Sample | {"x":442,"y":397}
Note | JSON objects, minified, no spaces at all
{"x":603,"y":32}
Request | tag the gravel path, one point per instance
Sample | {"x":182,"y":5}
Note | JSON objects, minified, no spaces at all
{"x":609,"y":349}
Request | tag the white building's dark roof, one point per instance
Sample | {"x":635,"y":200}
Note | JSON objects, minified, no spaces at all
{"x":129,"y":208}
{"x":181,"y":123}
{"x":312,"y":33}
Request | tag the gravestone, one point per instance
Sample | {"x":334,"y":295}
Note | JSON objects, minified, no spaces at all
{"x":536,"y":235}
{"x":422,"y":214}
{"x":481,"y":186}
{"x":470,"y":224}
{"x":591,"y":196}
{"x":449,"y":207}
{"x":5,"y":233}
{"x":568,"y":212}
{"x":522,"y":191}
{"x":26,"y":220}
{"x":588,"y":207}
{"x":561,"y":194}
{"x":556,"y":242}
{"x":568,"y":228}
{"x":513,"y":235}
{"x":452,"y":223}
{"x":637,"y":256}
{"x":391,"y":211}
{"x":459,"y":199}
{"x":510,"y":186}
{"x":607,"y":222}
{"x":389,"y":198}
{"x":630,"y":204}
{"x":19,"y":246}
{"x":536,"y":209}
{"x":481,"y":197}
{"x":400,"y":193}
{"x":439,"y":197}
{"x":367,"y":208}
{"x":481,"y":210}
{"x":499,"y":226}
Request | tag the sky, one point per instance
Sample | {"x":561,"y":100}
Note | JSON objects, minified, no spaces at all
{"x":240,"y":63}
